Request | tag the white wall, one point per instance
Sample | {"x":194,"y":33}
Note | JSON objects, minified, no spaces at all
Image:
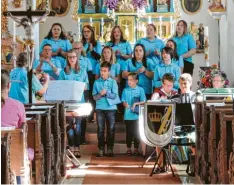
{"x":227,"y":42}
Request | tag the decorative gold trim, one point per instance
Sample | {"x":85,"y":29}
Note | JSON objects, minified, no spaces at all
{"x":4,"y":19}
{"x":190,"y":13}
{"x":16,"y":3}
{"x":75,"y":11}
{"x":67,"y":10}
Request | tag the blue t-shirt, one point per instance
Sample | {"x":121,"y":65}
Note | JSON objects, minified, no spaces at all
{"x":97,"y":49}
{"x":163,"y":69}
{"x":85,"y":64}
{"x":114,"y":72}
{"x":81,"y":76}
{"x":19,"y":85}
{"x":109,"y":85}
{"x":128,"y":96}
{"x":125,"y":49}
{"x":179,"y":63}
{"x":185,"y":43}
{"x":47,"y":68}
{"x":152,"y":45}
{"x":56,"y":44}
{"x":144,"y":81}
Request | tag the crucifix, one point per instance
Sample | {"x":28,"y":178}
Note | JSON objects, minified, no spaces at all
{"x":28,"y":24}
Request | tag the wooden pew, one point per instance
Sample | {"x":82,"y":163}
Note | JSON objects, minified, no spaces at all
{"x":225,"y":148}
{"x":18,"y":153}
{"x":58,"y":126}
{"x":34,"y":142}
{"x":214,"y":138}
{"x":7,"y":175}
{"x":202,"y":116}
{"x":47,"y":140}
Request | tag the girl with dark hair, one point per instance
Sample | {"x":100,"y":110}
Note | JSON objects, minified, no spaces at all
{"x":93,"y":51}
{"x":92,"y":47}
{"x":166,"y":67}
{"x":186,"y":46}
{"x":153,"y":44}
{"x":19,"y":82}
{"x":59,"y":43}
{"x":178,"y":60}
{"x":73,"y":72}
{"x":121,"y":47}
{"x":108,"y":55}
{"x":143,"y":66}
{"x":12,"y":112}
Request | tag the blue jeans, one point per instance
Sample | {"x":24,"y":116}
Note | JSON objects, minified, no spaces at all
{"x":106,"y":117}
{"x":74,"y":133}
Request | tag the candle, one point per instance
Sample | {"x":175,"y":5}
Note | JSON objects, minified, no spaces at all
{"x":14,"y":40}
{"x":149,"y":20}
{"x":160,"y":19}
{"x":34,"y":4}
{"x":78,"y":20}
{"x":91,"y":20}
{"x":102,"y":20}
{"x":206,"y":31}
{"x":108,"y":11}
{"x":171,"y":18}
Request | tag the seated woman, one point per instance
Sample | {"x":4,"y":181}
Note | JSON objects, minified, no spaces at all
{"x":219,"y":80}
{"x":19,"y":82}
{"x":12,"y":112}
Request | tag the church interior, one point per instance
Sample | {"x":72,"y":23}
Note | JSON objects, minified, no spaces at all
{"x":117,"y":92}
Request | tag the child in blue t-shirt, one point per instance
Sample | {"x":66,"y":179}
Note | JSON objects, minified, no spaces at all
{"x":132,"y":97}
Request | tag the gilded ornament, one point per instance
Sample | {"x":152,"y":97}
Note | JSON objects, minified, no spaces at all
{"x":17,"y":3}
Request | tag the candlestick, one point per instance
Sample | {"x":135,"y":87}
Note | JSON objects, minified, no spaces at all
{"x":149,"y":20}
{"x":14,"y":31}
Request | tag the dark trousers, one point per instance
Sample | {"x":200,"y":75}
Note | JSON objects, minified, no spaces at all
{"x":132,"y":129}
{"x":148,"y":96}
{"x":188,"y":67}
{"x":74,"y":131}
{"x":201,"y":39}
{"x":91,"y":100}
{"x":106,"y":118}
{"x":83,"y":130}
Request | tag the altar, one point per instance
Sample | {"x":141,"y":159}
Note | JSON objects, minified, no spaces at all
{"x":132,"y":16}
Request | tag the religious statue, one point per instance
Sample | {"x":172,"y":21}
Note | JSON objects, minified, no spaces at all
{"x":28,"y":26}
{"x":90,"y":6}
{"x":126,"y":25}
{"x":216,"y":6}
{"x":201,"y":35}
{"x":162,"y":6}
{"x":126,"y":6}
{"x":107,"y":35}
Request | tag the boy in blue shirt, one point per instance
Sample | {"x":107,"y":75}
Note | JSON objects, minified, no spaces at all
{"x":105,"y":92}
{"x":132,"y":96}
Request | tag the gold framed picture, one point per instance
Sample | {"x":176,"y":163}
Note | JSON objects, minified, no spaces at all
{"x":191,"y":6}
{"x":127,"y":24}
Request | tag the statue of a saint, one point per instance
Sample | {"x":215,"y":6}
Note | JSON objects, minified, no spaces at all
{"x":216,"y":6}
{"x":28,"y":26}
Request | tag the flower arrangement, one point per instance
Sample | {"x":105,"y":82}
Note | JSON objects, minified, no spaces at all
{"x":139,"y":3}
{"x":207,"y":75}
{"x":111,"y":4}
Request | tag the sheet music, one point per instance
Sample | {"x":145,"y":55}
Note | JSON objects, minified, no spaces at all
{"x":216,"y":104}
{"x":65,"y":90}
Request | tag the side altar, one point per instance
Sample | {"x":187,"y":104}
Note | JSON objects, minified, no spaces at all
{"x":131,"y":15}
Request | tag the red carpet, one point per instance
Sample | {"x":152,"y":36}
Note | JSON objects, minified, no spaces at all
{"x":123,"y":169}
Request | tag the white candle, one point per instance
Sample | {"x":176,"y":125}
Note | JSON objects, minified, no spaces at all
{"x":108,"y":11}
{"x":78,"y":20}
{"x":14,"y":40}
{"x":149,"y":20}
{"x":91,"y":20}
{"x":171,"y":18}
{"x":160,"y":19}
{"x":206,"y":31}
{"x":102,"y":20}
{"x":34,"y":4}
